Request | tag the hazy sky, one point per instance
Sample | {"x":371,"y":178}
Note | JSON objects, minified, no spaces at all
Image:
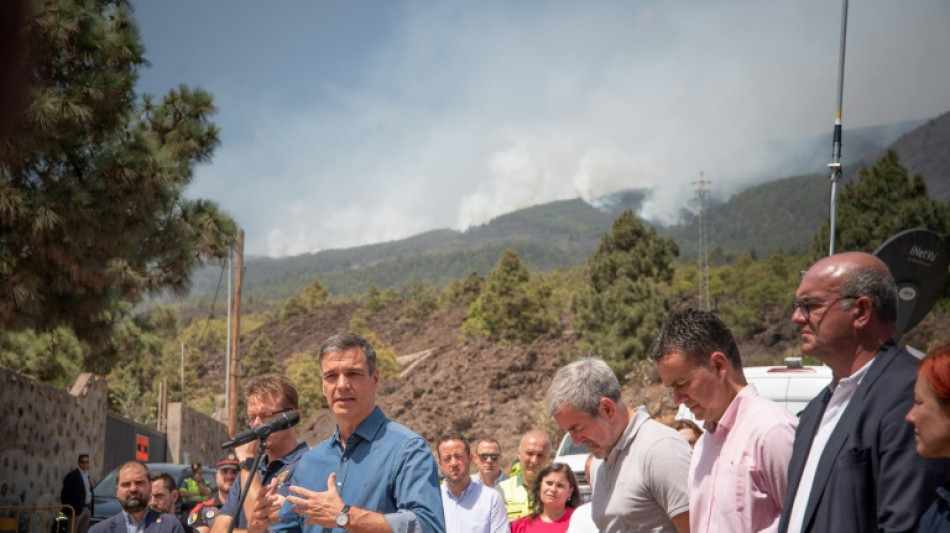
{"x":354,"y":122}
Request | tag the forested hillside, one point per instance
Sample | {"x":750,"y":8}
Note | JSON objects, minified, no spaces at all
{"x":777,"y":215}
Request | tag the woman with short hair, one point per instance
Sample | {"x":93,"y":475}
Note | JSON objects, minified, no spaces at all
{"x":930,"y":416}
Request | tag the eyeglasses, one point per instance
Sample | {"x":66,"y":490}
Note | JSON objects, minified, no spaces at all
{"x":487,"y":456}
{"x":806,"y":305}
{"x":264,"y":417}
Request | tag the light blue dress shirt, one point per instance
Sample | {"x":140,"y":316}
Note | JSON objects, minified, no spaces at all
{"x":385,"y":468}
{"x":479,"y":509}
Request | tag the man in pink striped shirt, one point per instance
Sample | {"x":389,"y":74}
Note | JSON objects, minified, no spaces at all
{"x":738,"y":471}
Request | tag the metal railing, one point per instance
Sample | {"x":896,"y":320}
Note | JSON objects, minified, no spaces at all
{"x":37,"y":518}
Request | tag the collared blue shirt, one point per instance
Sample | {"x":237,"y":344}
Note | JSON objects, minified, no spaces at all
{"x":479,"y":509}
{"x":384,"y":468}
{"x":282,"y":469}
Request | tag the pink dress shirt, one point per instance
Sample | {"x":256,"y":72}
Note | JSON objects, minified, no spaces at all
{"x":738,"y":474}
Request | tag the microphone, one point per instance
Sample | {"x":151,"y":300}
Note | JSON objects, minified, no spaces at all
{"x":282,"y":422}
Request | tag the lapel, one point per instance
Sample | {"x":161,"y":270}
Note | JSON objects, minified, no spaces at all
{"x":845,"y":427}
{"x":807,"y":427}
{"x":116,"y":522}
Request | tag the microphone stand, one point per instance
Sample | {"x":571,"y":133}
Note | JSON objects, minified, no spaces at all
{"x":247,"y":485}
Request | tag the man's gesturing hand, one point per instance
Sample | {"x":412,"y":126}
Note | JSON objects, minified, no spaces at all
{"x":265,"y":509}
{"x":319,"y":508}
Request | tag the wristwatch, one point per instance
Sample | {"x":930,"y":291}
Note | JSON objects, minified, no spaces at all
{"x":247,"y":464}
{"x":343,"y":517}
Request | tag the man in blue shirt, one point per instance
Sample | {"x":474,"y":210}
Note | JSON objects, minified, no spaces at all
{"x":372,"y":475}
{"x":469,"y":506}
{"x":267,"y":396}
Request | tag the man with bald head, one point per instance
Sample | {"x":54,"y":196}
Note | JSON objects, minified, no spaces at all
{"x":533,"y":453}
{"x":854,"y":465}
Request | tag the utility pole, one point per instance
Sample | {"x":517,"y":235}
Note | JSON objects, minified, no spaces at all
{"x":705,"y":302}
{"x":236,"y":336}
{"x":183,"y":373}
{"x":227,"y":350}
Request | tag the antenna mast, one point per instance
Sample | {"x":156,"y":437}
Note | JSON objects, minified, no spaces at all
{"x":705,"y":302}
{"x":835,"y":164}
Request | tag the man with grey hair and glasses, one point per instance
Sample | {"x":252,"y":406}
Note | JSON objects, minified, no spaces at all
{"x":854,"y":464}
{"x":641,"y":483}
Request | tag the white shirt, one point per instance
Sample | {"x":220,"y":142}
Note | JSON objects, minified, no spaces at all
{"x":477,"y":510}
{"x":840,"y":398}
{"x":85,"y":482}
{"x":582,"y":521}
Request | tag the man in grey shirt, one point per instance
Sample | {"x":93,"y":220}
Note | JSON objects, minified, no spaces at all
{"x":641,"y":484}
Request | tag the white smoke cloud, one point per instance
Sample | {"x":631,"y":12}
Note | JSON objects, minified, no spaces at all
{"x":463,"y":112}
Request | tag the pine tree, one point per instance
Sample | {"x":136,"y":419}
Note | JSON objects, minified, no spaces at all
{"x":315,"y":294}
{"x":420,"y":302}
{"x":92,"y":180}
{"x":303,"y":370}
{"x":624,"y":306}
{"x":510,"y":307}
{"x":259,"y":359}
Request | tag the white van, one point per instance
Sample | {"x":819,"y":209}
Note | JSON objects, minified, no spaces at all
{"x":792,"y":386}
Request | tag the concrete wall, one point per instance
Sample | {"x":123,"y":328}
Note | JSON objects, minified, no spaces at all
{"x":44,"y":429}
{"x":194,"y":437}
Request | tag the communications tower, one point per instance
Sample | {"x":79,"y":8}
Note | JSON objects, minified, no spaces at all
{"x":705,"y":302}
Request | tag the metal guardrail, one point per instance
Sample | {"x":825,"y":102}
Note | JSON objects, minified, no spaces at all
{"x":36,"y":518}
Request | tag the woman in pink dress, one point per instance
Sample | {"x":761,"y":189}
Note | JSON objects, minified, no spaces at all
{"x":553,"y":498}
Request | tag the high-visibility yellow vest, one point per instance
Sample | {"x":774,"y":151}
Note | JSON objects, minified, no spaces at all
{"x":517,"y":497}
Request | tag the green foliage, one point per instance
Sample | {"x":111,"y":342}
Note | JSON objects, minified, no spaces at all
{"x":134,"y":380}
{"x":315,"y":294}
{"x":510,"y":307}
{"x":385,"y":355}
{"x":259,"y":358}
{"x":299,"y":305}
{"x":373,"y":300}
{"x":54,"y":357}
{"x":420,"y":302}
{"x":389,"y":297}
{"x":622,"y":310}
{"x":293,"y":307}
{"x":303,"y":370}
{"x":883,"y":201}
{"x":749,"y":291}
{"x":93,"y":210}
{"x":461,"y":292}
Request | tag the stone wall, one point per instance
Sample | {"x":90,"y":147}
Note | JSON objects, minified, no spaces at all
{"x":193,"y":436}
{"x":44,"y":429}
{"x":43,"y":432}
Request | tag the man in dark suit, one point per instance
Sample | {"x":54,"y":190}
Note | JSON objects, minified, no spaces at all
{"x":133,"y":489}
{"x":854,"y":465}
{"x":77,"y":493}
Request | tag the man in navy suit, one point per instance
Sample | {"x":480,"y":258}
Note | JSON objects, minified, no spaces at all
{"x":854,"y":465}
{"x":133,"y":489}
{"x":77,"y":493}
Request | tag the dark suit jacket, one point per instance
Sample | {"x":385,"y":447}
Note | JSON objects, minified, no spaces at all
{"x":154,"y":523}
{"x":869,"y":477}
{"x":74,"y":491}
